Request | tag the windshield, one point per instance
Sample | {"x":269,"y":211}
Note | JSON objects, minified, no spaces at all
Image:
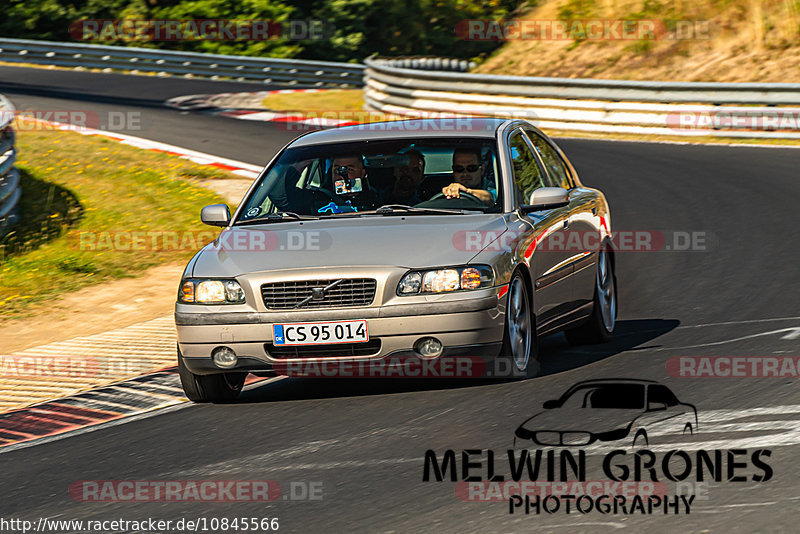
{"x":616,"y":396}
{"x":347,"y":179}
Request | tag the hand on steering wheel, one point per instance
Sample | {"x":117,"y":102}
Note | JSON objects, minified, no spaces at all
{"x":461,"y":194}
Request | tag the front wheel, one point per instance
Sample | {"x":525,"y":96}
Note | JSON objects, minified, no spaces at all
{"x":222,"y":387}
{"x":600,"y":326}
{"x":519,"y":342}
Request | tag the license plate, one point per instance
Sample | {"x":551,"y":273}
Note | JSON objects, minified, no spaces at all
{"x":320,"y":333}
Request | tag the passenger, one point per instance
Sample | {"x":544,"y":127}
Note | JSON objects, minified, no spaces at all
{"x":407,"y":180}
{"x":468,"y":177}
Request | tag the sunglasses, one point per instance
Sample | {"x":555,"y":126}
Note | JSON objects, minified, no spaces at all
{"x":468,"y":168}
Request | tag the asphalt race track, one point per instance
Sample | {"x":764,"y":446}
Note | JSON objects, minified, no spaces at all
{"x":364,"y":442}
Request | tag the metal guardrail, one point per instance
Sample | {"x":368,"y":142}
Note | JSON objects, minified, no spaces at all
{"x":10,"y":191}
{"x":190,"y":64}
{"x":637,"y":107}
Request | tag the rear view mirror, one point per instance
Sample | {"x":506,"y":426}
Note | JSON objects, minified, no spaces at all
{"x":546,"y":198}
{"x":549,"y":405}
{"x":656,"y":406}
{"x":216,"y":215}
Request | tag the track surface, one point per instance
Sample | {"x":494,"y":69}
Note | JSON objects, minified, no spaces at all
{"x":365,"y":441}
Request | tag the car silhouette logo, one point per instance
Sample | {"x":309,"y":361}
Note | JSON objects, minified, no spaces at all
{"x":608,"y":410}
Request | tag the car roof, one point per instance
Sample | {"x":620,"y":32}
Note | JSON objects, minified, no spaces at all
{"x":602,"y":381}
{"x":459,"y":127}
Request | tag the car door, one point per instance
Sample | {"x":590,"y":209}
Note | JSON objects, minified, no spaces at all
{"x":582,"y":237}
{"x":543,"y":248}
{"x":666,"y":416}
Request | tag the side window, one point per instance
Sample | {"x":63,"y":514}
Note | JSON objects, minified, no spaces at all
{"x":660,"y":393}
{"x":527,"y":175}
{"x":555,"y":167}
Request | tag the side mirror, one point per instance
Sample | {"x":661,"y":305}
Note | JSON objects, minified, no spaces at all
{"x":549,"y":405}
{"x":546,"y":198}
{"x":656,"y":406}
{"x":216,"y":215}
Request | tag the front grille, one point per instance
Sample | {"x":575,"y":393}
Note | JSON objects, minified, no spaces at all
{"x":347,"y":293}
{"x":549,"y":438}
{"x":333,"y":350}
{"x":575,"y":438}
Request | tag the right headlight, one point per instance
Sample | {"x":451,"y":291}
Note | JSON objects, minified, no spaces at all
{"x":194,"y":291}
{"x":446,"y":280}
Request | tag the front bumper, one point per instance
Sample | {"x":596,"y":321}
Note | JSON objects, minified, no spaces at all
{"x":467,"y":327}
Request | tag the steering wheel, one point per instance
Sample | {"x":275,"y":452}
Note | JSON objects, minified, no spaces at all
{"x":329,"y":194}
{"x":468,"y":196}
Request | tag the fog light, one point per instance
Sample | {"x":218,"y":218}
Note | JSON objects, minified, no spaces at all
{"x":428,"y":347}
{"x":224,"y":357}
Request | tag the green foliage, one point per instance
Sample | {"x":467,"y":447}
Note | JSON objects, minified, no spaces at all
{"x":359,"y":27}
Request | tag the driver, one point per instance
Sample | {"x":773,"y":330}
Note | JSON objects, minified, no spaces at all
{"x":468,"y":177}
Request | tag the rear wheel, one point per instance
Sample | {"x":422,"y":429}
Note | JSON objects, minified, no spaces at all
{"x":600,"y":326}
{"x":640,"y":440}
{"x":519,"y":342}
{"x":222,"y":387}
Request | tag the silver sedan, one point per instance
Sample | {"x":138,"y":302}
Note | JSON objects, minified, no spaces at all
{"x":396,"y":249}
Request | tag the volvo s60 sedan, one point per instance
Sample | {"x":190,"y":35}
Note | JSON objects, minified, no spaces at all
{"x":388,"y":243}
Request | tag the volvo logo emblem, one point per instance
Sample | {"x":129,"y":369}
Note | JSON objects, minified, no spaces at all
{"x":318,"y":293}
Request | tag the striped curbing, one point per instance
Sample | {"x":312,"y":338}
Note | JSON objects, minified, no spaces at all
{"x":67,"y":367}
{"x":96,"y":408}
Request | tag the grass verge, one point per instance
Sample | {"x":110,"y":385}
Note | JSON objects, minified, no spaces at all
{"x":322,"y":101}
{"x":84,"y":198}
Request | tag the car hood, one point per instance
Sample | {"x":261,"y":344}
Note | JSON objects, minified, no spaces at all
{"x":411,"y":241}
{"x":594,"y":420}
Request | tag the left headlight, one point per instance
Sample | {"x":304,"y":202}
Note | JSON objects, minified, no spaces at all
{"x":446,"y":279}
{"x":194,"y":291}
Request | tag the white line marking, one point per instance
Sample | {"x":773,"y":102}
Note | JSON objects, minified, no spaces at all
{"x":747,"y":321}
{"x":141,"y":142}
{"x":723,"y":342}
{"x":712,"y":416}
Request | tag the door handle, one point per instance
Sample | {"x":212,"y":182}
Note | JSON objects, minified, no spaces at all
{"x":566,"y":224}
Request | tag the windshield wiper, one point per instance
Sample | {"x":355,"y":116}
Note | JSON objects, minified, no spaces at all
{"x":391,"y":209}
{"x":278,"y":217}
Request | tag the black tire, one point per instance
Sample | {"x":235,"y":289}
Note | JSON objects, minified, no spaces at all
{"x":222,"y":387}
{"x":597,"y":329}
{"x":513,"y":366}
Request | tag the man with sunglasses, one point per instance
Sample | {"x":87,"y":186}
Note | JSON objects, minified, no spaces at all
{"x":468,"y":177}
